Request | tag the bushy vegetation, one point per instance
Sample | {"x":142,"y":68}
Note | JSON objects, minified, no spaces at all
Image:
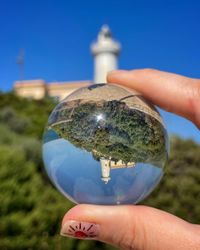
{"x":31,"y":209}
{"x":122,"y":133}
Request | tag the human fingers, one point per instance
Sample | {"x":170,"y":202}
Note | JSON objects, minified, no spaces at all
{"x":131,"y":227}
{"x":172,"y":92}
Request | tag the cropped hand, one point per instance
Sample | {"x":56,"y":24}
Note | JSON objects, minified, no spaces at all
{"x":141,"y":227}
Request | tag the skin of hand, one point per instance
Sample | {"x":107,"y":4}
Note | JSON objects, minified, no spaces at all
{"x":136,"y":227}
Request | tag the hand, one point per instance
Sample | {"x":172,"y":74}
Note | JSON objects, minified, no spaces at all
{"x":141,"y":227}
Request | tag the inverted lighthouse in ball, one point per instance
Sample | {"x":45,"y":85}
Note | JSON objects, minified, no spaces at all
{"x":108,"y":164}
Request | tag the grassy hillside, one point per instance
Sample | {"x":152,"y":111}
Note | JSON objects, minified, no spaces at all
{"x":31,"y":209}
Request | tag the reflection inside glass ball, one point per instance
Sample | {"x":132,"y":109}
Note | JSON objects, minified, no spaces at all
{"x":104,"y":144}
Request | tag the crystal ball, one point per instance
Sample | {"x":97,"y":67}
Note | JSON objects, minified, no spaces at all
{"x":104,"y":144}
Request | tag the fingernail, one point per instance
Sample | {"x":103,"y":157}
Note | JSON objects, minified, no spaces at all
{"x":79,"y":229}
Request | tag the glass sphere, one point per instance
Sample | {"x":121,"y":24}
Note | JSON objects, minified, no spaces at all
{"x":104,"y":144}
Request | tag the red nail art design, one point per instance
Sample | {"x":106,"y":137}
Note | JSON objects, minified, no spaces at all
{"x":80,"y":230}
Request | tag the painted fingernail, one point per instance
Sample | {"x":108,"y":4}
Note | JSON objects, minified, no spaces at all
{"x":81,"y":230}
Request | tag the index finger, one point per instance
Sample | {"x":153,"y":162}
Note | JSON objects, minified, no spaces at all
{"x":172,"y":92}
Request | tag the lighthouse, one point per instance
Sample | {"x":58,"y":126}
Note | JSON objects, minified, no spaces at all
{"x":105,"y":170}
{"x":105,"y":51}
{"x":108,"y":164}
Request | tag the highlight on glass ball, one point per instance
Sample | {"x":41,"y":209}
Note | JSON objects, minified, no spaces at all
{"x":104,"y":144}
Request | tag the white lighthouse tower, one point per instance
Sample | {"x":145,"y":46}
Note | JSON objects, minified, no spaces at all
{"x":105,"y":170}
{"x":105,"y":51}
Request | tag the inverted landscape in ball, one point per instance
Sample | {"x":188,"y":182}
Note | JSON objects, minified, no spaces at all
{"x":104,"y":144}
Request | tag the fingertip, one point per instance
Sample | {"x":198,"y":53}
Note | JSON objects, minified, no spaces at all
{"x":73,"y":213}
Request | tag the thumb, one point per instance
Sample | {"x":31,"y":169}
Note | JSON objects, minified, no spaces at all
{"x":130,"y":227}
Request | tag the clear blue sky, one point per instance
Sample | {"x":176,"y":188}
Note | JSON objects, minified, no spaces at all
{"x":56,"y":36}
